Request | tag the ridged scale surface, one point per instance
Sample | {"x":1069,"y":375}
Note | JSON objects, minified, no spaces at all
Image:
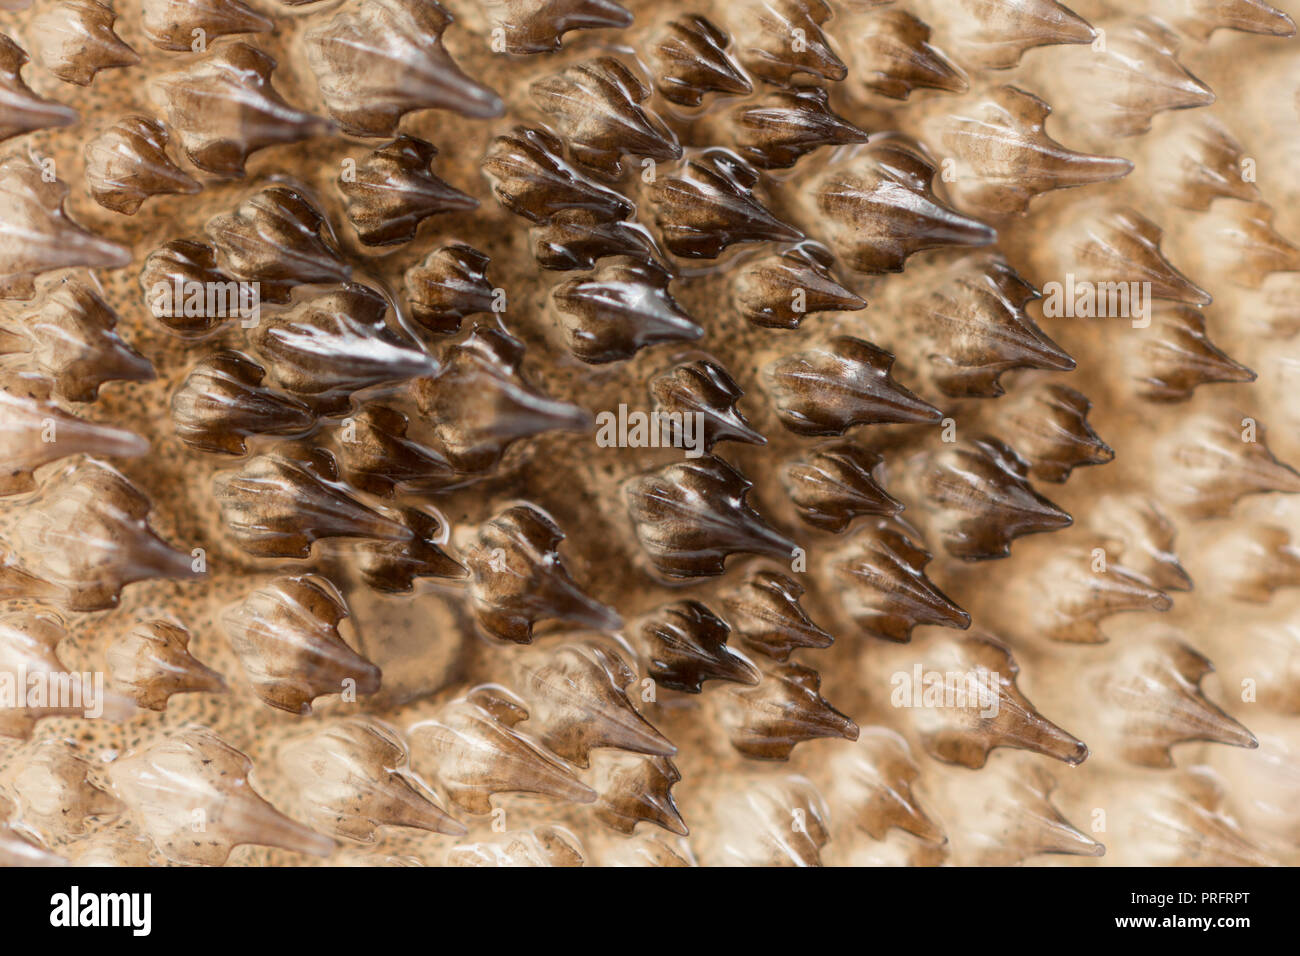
{"x":441,"y":433}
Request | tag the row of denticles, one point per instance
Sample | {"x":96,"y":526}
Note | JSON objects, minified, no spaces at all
{"x":877,"y":207}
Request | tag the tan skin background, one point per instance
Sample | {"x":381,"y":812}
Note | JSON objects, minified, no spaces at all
{"x":426,"y":643}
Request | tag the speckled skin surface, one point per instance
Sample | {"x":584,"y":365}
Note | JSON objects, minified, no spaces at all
{"x":427,"y":642}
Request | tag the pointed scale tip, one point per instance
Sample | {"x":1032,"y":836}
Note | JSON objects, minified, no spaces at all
{"x":768,"y":721}
{"x":690,"y":517}
{"x":577,"y":703}
{"x":518,"y":578}
{"x":845,"y":383}
{"x":885,"y":589}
